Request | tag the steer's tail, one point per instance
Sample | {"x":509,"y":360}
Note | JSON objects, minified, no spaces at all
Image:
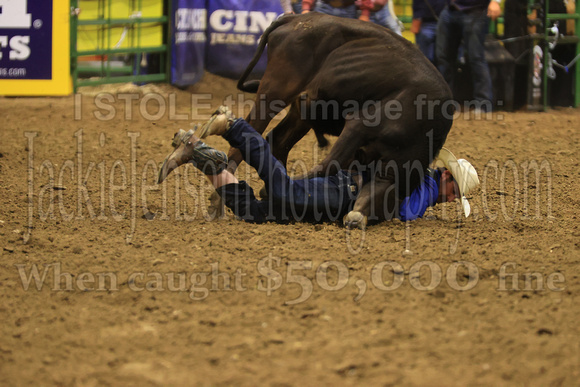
{"x":252,"y":86}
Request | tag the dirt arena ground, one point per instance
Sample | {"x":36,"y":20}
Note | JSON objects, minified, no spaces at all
{"x":141,"y":289}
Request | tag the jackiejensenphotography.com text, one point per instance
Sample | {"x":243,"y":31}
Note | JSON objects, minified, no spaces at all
{"x":73,"y":189}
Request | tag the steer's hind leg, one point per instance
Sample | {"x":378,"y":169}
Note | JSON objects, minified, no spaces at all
{"x":287,"y":133}
{"x":274,"y":94}
{"x":277,"y":89}
{"x":343,"y":151}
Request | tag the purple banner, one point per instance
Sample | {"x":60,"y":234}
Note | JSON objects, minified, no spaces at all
{"x":188,"y":41}
{"x":26,"y":39}
{"x":234,"y":29}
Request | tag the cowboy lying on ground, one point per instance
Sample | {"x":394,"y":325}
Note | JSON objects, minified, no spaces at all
{"x":315,"y":199}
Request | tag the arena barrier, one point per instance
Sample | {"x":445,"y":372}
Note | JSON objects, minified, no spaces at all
{"x":34,"y":48}
{"x":188,"y":41}
{"x":543,"y":38}
{"x":219,"y":35}
{"x":117,"y":41}
{"x":107,"y":41}
{"x":172,"y":41}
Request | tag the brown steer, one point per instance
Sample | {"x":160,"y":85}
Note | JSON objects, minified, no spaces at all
{"x":373,"y":89}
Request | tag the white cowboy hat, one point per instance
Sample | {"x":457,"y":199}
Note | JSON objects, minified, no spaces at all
{"x":463,"y":172}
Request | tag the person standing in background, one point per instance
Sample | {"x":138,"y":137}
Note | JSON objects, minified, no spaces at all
{"x":291,"y":6}
{"x":377,"y":11}
{"x":467,"y":20}
{"x":340,"y":8}
{"x":424,"y":25}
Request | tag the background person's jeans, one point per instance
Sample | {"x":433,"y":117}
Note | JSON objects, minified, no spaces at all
{"x":384,"y":18}
{"x":472,"y":27}
{"x":297,"y":7}
{"x":317,"y":199}
{"x":426,"y":39}
{"x":348,"y":12}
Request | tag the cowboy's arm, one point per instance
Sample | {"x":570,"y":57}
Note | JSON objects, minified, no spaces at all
{"x":423,"y":197}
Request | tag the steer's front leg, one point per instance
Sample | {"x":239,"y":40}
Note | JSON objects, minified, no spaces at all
{"x":377,"y":200}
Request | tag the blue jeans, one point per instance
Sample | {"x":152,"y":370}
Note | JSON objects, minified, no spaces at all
{"x":318,"y":199}
{"x":297,"y":7}
{"x":472,"y":26}
{"x":348,"y":12}
{"x":426,"y":39}
{"x":384,"y":18}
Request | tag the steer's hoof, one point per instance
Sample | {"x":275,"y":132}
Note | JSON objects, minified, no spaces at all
{"x":355,"y":219}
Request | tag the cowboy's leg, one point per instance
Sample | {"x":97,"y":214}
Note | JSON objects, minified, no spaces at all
{"x":238,"y":196}
{"x":317,"y":198}
{"x":255,"y":150}
{"x":286,"y":195}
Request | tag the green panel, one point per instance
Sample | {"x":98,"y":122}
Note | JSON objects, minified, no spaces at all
{"x":116,"y":51}
{"x":92,"y":69}
{"x":563,"y":16}
{"x":116,"y":22}
{"x":124,"y":79}
{"x":113,"y":30}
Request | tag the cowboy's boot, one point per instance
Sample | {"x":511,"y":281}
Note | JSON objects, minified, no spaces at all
{"x":190,"y":149}
{"x":219,"y":123}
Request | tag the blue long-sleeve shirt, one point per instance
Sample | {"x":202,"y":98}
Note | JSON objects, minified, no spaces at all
{"x":423,"y":197}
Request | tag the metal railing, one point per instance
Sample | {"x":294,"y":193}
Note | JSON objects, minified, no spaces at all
{"x":548,"y":19}
{"x":110,"y":62}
